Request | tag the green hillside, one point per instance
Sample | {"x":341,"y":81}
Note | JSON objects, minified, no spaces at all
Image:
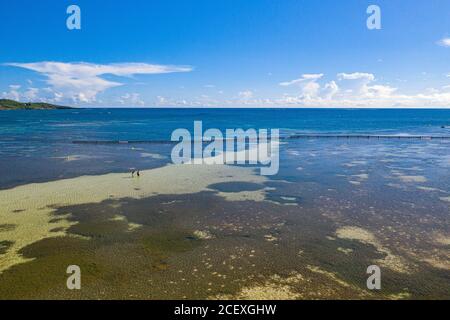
{"x":6,"y":104}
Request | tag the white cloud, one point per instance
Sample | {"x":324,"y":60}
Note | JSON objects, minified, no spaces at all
{"x":312,"y":76}
{"x":247,"y":94}
{"x":307,"y":83}
{"x":81,"y":82}
{"x":358,"y":84}
{"x":15,"y":87}
{"x":161,"y":100}
{"x":303,"y":78}
{"x":311,"y":89}
{"x":330,"y":89}
{"x":445,"y":42}
{"x":356,"y":76}
{"x":131,"y":100}
{"x":13,"y":93}
{"x":330,"y":95}
{"x":380,"y":90}
{"x":357,"y":90}
{"x":431,"y":90}
{"x":336,"y":94}
{"x":31,"y":94}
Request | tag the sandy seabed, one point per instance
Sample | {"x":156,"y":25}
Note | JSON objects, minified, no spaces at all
{"x":26,"y":211}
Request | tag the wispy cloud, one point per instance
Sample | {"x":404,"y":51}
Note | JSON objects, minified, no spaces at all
{"x":445,"y":42}
{"x":307,"y":83}
{"x":81,"y":82}
{"x":356,"y":76}
{"x":303,"y":78}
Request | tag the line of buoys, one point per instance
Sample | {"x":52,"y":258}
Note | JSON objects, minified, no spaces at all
{"x":362,"y":136}
{"x":292,"y":137}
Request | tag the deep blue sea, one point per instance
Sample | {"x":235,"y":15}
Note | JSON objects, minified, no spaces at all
{"x":37,"y":145}
{"x":158,"y":124}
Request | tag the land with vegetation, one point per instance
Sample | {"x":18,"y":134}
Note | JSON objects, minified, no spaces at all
{"x":6,"y":104}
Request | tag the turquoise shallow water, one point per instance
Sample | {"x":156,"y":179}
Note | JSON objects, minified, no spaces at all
{"x":37,"y":145}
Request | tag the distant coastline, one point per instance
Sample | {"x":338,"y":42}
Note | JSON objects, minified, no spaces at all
{"x":6,"y":104}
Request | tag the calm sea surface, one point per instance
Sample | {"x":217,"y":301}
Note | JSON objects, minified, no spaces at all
{"x":39,"y":145}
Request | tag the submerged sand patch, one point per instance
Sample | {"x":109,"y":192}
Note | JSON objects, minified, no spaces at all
{"x":408,"y":178}
{"x":314,"y":283}
{"x":355,"y":163}
{"x":361,"y":176}
{"x":399,"y":296}
{"x":390,"y":261}
{"x":438,"y":262}
{"x":275,"y":288}
{"x":423,"y":188}
{"x":268,"y":292}
{"x":330,"y":275}
{"x":75,"y":157}
{"x":412,"y":178}
{"x":345,"y":251}
{"x":152,"y":155}
{"x":130,"y":225}
{"x":442,"y":239}
{"x":30,"y":207}
{"x":203,"y":234}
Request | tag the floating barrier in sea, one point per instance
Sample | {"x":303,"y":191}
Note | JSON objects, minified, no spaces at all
{"x":291,"y":137}
{"x":123,"y":141}
{"x":365,"y":136}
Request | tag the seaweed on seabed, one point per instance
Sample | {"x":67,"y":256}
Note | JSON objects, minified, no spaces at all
{"x":4,"y":245}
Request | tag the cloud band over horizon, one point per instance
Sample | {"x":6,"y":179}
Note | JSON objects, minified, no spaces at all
{"x":80,"y":82}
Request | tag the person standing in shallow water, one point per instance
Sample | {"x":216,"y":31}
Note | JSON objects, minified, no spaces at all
{"x":137,"y":173}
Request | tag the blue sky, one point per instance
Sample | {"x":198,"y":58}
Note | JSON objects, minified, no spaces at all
{"x":227,"y":53}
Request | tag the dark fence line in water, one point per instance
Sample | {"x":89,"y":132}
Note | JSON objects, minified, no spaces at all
{"x":123,"y":141}
{"x":294,"y":137}
{"x":365,"y":136}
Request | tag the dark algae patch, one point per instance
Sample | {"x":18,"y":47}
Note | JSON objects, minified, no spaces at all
{"x":201,"y":246}
{"x":7,"y":227}
{"x":236,"y":186}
